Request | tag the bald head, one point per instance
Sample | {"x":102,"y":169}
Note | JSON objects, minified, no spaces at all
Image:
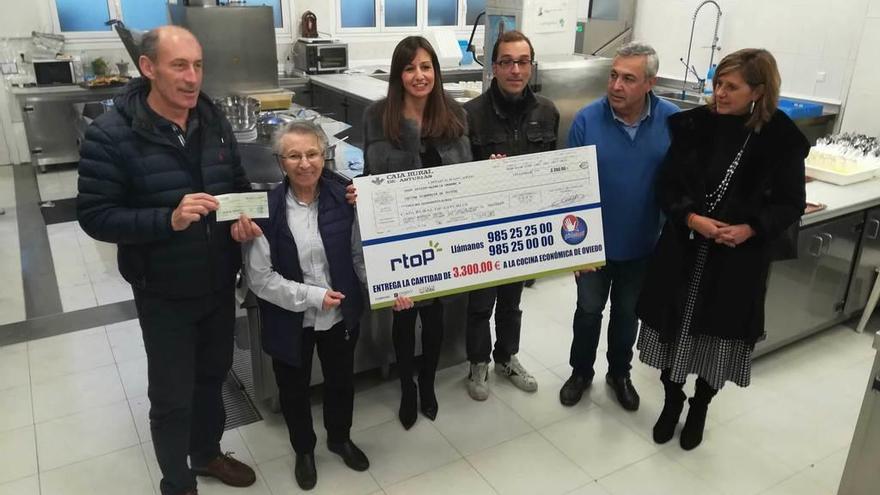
{"x":171,"y":34}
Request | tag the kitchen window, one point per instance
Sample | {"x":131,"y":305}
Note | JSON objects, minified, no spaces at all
{"x":372,"y":16}
{"x":84,"y":20}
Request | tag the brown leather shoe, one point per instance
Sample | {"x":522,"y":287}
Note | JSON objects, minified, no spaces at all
{"x":228,"y":470}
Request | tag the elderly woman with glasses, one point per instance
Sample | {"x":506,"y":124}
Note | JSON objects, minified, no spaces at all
{"x":305,"y":272}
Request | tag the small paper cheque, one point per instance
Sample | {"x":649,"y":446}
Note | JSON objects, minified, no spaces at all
{"x":252,"y":204}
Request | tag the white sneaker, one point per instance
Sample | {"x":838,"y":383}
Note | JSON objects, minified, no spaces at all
{"x":517,"y":374}
{"x":478,"y":381}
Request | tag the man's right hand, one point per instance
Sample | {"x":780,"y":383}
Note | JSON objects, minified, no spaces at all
{"x":191,"y":209}
{"x":705,"y":226}
{"x":332,"y":299}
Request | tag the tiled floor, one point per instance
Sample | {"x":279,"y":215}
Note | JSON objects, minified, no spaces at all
{"x":73,"y":421}
{"x":58,"y":182}
{"x":12,"y":307}
{"x":73,"y":409}
{"x":86,"y":269}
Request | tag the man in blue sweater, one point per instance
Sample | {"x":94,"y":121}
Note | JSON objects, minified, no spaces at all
{"x":629,"y":128}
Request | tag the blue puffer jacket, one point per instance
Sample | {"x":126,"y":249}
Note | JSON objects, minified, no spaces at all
{"x":131,"y":177}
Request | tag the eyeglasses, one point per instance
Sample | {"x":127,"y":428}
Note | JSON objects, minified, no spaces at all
{"x":311,"y":157}
{"x":507,"y":64}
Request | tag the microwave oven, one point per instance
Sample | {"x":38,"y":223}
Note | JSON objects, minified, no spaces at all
{"x":54,"y":71}
{"x":320,"y":56}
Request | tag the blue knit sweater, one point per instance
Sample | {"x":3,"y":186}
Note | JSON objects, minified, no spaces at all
{"x":628,"y":167}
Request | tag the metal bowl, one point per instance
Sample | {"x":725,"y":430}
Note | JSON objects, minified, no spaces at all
{"x":241,"y":111}
{"x":269,"y":122}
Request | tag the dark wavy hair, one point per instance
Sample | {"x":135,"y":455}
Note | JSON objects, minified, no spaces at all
{"x":759,"y":70}
{"x":440,"y":120}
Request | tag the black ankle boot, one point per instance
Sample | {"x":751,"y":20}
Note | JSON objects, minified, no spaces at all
{"x":664,"y":428}
{"x":692,"y":433}
{"x":428,"y":398}
{"x":408,"y":405}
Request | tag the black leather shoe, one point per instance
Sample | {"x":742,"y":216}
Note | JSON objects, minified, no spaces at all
{"x":305,"y":472}
{"x":625,"y":392}
{"x":573,"y":388}
{"x":351,"y":455}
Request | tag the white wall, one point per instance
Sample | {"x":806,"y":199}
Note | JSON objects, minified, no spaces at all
{"x":378,"y":47}
{"x":807,"y":37}
{"x":862,"y":112}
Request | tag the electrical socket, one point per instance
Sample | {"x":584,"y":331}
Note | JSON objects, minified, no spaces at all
{"x":8,"y":68}
{"x":821,"y":76}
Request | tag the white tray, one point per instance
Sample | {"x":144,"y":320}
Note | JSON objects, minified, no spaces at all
{"x":840,"y":179}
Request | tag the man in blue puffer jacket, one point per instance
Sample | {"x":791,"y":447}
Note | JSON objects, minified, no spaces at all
{"x":148,"y":174}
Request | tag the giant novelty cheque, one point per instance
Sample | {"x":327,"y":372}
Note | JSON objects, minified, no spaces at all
{"x":443,"y":230}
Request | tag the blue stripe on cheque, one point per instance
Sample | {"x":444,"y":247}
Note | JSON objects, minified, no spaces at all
{"x":484,"y":223}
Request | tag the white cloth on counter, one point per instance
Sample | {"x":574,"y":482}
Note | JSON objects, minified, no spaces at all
{"x":306,"y":296}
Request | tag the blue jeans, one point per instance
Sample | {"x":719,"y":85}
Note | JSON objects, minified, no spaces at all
{"x":623,"y":279}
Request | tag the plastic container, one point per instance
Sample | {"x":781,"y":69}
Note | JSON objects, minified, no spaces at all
{"x":467,"y":58}
{"x":799,"y":109}
{"x":707,"y":88}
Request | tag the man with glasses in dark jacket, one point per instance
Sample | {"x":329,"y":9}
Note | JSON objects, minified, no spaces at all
{"x":509,"y":119}
{"x":149,"y":173}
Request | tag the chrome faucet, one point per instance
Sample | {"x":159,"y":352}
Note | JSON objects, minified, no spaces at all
{"x":687,"y":64}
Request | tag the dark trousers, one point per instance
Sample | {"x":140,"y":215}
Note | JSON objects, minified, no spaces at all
{"x":623,"y":279}
{"x":508,"y":321}
{"x":404,"y":337}
{"x":336,"y":352}
{"x":189,"y":352}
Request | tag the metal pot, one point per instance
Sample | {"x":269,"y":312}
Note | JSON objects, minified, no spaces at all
{"x":270,"y":122}
{"x":241,"y":111}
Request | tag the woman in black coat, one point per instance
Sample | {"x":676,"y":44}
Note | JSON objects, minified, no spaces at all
{"x":416,"y":126}
{"x":731,"y":184}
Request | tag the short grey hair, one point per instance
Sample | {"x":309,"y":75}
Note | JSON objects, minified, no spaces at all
{"x":639,"y":49}
{"x":302,"y":127}
{"x":150,"y":44}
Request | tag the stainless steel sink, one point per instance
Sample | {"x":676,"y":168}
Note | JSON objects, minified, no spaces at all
{"x":689,"y":100}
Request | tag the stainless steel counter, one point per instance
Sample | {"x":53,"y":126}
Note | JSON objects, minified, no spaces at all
{"x":53,"y":120}
{"x":67,"y":94}
{"x":861,"y":475}
{"x":841,"y":200}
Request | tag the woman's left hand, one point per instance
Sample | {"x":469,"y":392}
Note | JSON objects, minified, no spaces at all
{"x":351,"y":194}
{"x":734,"y":235}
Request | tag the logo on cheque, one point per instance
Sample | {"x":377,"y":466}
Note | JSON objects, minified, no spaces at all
{"x":574,"y":229}
{"x":416,"y":259}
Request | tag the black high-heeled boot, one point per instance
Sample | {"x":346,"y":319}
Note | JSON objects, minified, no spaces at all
{"x":408,"y":403}
{"x":432,"y":340}
{"x":692,"y":433}
{"x":664,"y":428}
{"x":403,"y":338}
{"x":427,"y":397}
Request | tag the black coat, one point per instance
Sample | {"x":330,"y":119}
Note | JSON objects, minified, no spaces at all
{"x":382,"y":156}
{"x":530,"y":125}
{"x":767,"y":192}
{"x":131,"y":177}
